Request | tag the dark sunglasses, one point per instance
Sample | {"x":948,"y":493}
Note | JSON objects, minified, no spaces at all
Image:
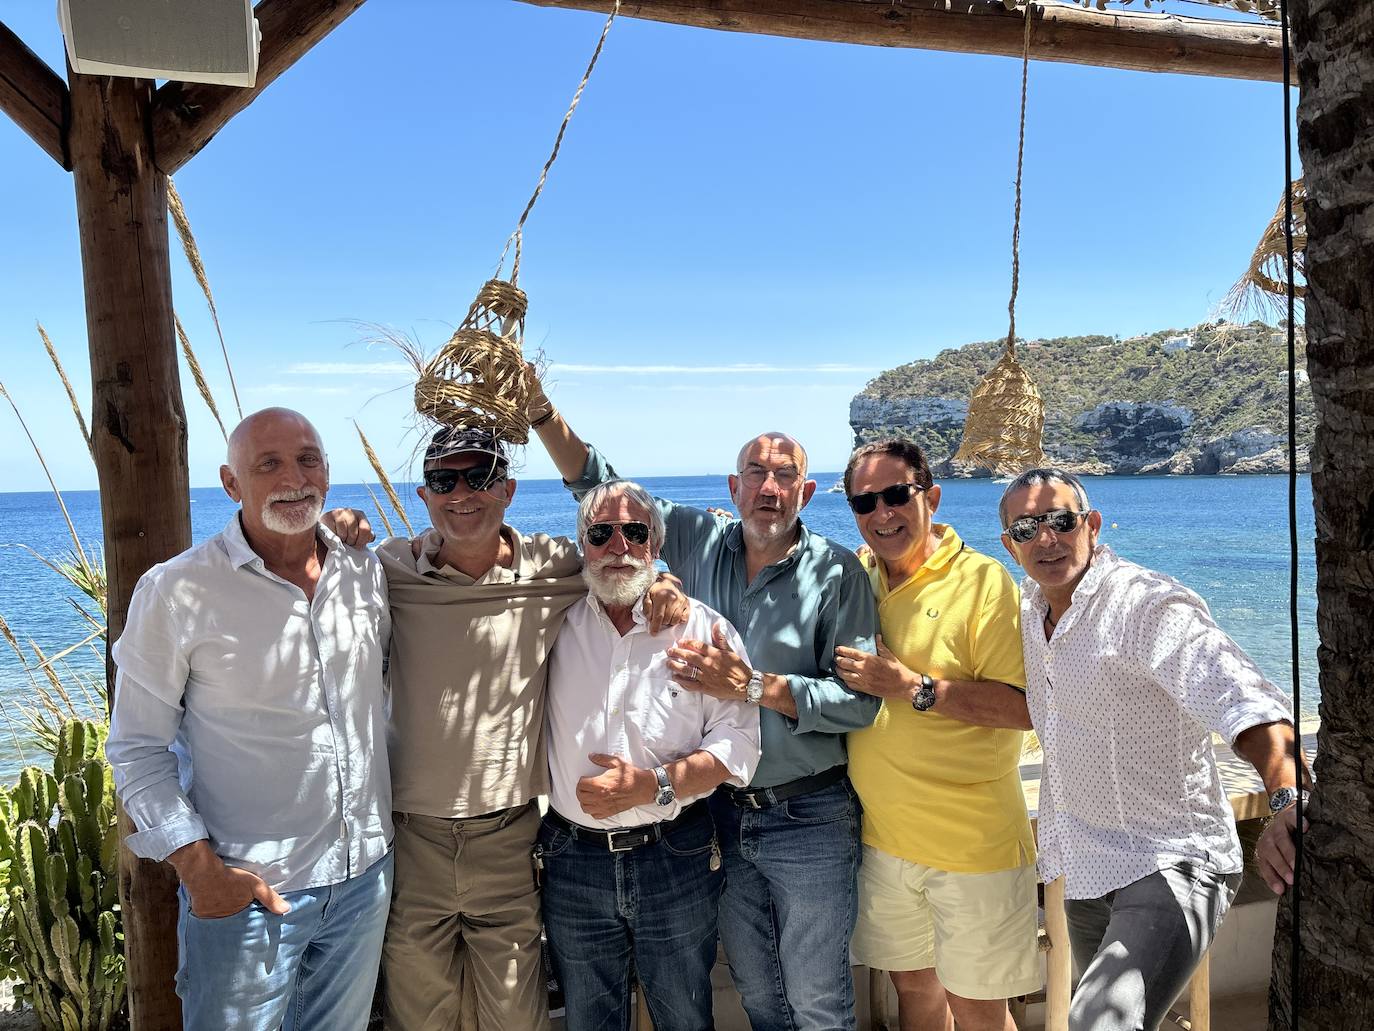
{"x":1060,"y":520}
{"x":601,"y":533}
{"x":481,"y":477}
{"x":893,"y":497}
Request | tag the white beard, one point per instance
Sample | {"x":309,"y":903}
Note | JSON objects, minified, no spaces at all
{"x":619,"y":589}
{"x":297,"y":519}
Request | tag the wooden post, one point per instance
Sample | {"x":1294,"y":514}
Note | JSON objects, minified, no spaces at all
{"x":138,"y":426}
{"x":1059,"y":961}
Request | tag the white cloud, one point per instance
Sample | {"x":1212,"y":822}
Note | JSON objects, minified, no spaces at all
{"x":743,"y":368}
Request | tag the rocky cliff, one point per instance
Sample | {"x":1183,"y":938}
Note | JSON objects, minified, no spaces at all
{"x":1208,"y":400}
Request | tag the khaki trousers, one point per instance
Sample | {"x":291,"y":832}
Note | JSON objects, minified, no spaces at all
{"x":465,"y":920}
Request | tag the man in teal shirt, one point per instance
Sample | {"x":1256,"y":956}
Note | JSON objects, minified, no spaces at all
{"x":790,"y":839}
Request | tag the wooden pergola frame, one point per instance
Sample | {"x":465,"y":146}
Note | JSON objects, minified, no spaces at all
{"x":121,"y":138}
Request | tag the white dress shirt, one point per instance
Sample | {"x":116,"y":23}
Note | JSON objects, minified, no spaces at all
{"x":1125,"y":695}
{"x":246,"y":714}
{"x":614,"y":695}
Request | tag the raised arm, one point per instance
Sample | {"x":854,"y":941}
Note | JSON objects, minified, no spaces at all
{"x":565,"y":447}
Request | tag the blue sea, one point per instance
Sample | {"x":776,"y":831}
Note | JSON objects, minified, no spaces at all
{"x":1225,"y":537}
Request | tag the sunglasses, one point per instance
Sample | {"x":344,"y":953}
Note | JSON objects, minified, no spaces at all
{"x":601,"y":533}
{"x":895,"y":496}
{"x":481,"y":477}
{"x":1060,"y":520}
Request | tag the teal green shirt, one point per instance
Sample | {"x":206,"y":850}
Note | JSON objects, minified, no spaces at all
{"x":792,"y":618}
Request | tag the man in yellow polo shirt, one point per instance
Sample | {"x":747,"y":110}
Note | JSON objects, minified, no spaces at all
{"x":947,"y":886}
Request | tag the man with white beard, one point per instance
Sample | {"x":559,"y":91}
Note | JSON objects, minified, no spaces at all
{"x":628,"y":849}
{"x":254,"y":659}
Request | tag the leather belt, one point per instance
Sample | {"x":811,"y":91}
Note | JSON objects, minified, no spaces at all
{"x":628,"y":838}
{"x":764,"y":798}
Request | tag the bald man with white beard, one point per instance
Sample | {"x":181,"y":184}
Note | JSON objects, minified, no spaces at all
{"x":248,"y":743}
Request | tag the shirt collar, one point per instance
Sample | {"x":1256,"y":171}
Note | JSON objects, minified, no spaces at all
{"x":430,"y":542}
{"x":734,"y":540}
{"x":241,"y":553}
{"x":1104,"y":560}
{"x":951,"y":544}
{"x":641,"y":621}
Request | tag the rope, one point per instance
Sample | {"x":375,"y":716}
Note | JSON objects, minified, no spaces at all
{"x":1020,"y":165}
{"x":518,"y":237}
{"x":1292,"y":498}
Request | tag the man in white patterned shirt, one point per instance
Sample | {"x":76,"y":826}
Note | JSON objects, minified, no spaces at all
{"x":628,"y":848}
{"x":1127,"y":677}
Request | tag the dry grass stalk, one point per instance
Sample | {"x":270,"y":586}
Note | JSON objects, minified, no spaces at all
{"x":197,"y":374}
{"x":82,"y":563}
{"x":188,"y":244}
{"x":67,"y":385}
{"x":381,"y":514}
{"x":382,"y":478}
{"x":1263,"y":288}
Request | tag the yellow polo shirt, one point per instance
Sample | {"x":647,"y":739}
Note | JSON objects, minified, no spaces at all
{"x":935,"y":790}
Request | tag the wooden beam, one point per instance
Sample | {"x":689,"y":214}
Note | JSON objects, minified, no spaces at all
{"x":186,"y":115}
{"x":33,"y":95}
{"x":1137,"y":41}
{"x":138,"y":428}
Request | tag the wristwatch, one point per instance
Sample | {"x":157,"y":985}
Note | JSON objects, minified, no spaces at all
{"x":753,"y":691}
{"x":925,"y":695}
{"x":1283,"y":798}
{"x":666,"y":794}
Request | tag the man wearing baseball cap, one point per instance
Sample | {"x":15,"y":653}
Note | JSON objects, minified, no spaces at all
{"x":475,"y":607}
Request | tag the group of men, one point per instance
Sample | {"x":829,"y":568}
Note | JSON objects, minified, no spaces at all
{"x":808,"y":757}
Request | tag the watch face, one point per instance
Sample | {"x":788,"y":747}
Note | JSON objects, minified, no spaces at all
{"x":1282,"y":799}
{"x":665,"y":796}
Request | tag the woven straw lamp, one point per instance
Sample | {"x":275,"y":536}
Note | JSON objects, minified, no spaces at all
{"x":477,"y":380}
{"x":1006,"y":415}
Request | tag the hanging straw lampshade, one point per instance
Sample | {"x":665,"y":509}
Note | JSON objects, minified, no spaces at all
{"x":477,"y":380}
{"x":1006,"y":415}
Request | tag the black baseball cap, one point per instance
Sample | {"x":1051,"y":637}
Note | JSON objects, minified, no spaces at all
{"x":450,"y":440}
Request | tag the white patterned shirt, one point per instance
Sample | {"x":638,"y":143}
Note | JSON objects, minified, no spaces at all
{"x":1125,"y":696}
{"x":615,"y":695}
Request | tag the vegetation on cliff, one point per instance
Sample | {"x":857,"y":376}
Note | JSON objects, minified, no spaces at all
{"x":1228,"y":378}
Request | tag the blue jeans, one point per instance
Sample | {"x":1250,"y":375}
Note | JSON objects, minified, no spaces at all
{"x":788,"y":910}
{"x":653,"y":908}
{"x":314,"y":969}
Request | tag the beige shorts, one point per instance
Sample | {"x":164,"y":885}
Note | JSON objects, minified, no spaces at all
{"x":976,"y":929}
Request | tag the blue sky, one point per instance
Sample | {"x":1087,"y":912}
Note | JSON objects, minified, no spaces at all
{"x":740,"y":232}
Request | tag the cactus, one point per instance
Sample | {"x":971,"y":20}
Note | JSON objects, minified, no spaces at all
{"x":60,"y":934}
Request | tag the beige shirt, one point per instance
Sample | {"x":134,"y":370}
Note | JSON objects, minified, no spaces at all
{"x":468,"y":671}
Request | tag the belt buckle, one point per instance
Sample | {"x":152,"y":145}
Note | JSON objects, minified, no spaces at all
{"x":751,"y":799}
{"x":612,"y":841}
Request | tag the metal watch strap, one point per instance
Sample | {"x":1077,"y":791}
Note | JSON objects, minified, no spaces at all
{"x":753,"y":691}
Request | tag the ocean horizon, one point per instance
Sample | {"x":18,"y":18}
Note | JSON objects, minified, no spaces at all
{"x":1224,"y":537}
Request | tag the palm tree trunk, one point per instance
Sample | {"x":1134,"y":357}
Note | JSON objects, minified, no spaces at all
{"x":1334,"y":48}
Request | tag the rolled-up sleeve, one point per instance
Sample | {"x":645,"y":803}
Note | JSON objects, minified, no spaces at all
{"x":596,"y":470}
{"x":1210,"y":676}
{"x":149,"y":689}
{"x":824,"y":702}
{"x":731,"y":729}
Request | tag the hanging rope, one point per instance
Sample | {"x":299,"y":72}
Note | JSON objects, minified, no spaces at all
{"x":1006,"y":415}
{"x":478,"y":378}
{"x":1020,"y":168}
{"x":1292,"y":499}
{"x":518,"y":237}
